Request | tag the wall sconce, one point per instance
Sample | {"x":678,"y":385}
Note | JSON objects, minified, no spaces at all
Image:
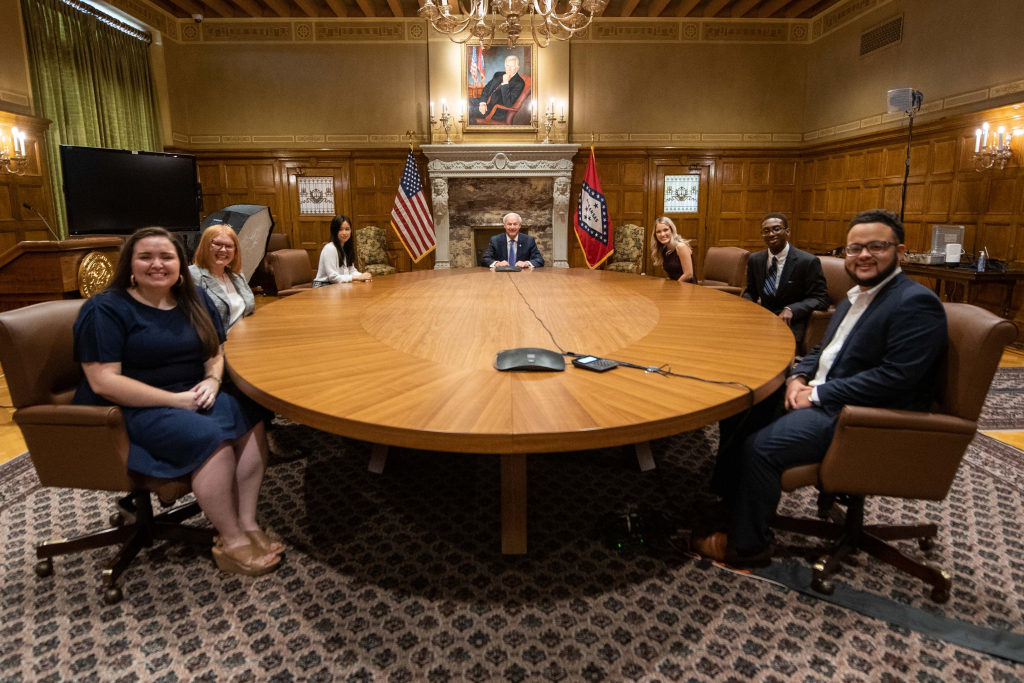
{"x":996,"y":153}
{"x":444,"y":122}
{"x":12,"y":153}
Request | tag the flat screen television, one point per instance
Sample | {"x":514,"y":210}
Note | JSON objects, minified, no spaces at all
{"x":116,"y":191}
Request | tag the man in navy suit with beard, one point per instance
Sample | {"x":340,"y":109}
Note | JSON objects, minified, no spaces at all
{"x":881,"y":350}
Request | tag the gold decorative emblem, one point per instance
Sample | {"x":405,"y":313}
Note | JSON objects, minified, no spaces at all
{"x":94,"y":274}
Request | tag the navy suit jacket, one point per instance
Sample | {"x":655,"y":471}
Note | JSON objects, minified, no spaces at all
{"x":526,"y":250}
{"x":890,"y":358}
{"x":801,"y":287}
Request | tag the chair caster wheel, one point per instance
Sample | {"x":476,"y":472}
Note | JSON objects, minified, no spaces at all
{"x":940,"y":595}
{"x":112,"y":595}
{"x":926,"y":544}
{"x":44,"y":568}
{"x":823,"y":586}
{"x":116,"y":519}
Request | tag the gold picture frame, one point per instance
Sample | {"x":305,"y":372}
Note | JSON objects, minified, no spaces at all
{"x":517,"y":113}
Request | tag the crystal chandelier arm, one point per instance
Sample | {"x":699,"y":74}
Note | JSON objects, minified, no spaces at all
{"x":570,"y":29}
{"x":536,"y":38}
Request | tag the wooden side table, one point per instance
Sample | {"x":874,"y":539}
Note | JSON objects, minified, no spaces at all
{"x":968,"y":278}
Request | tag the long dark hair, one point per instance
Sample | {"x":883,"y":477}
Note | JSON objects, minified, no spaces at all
{"x":184,"y":290}
{"x":346,"y":252}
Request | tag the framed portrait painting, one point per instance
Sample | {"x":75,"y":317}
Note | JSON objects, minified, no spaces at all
{"x":499,"y":86}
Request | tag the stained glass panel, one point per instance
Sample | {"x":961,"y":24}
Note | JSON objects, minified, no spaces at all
{"x":316,"y":196}
{"x":682,"y":193}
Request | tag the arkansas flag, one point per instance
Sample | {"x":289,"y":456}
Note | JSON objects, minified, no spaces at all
{"x":593,"y":227}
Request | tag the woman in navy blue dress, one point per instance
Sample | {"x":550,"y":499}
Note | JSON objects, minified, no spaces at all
{"x":151,"y":344}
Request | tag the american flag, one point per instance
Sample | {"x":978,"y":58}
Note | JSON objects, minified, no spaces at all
{"x":411,"y":218}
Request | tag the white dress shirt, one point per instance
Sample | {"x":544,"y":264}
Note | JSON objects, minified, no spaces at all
{"x":782,"y":264}
{"x":859,"y":302}
{"x":236,"y":304}
{"x":332,"y":268}
{"x":508,"y":250}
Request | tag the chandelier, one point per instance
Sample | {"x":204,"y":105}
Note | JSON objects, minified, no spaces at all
{"x":461,"y":24}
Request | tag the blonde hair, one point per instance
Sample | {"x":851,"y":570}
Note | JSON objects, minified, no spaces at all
{"x":674,"y":240}
{"x":202,"y":255}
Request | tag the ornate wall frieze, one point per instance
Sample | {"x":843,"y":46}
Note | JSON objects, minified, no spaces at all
{"x":245,"y":32}
{"x":746,"y":32}
{"x":298,"y":30}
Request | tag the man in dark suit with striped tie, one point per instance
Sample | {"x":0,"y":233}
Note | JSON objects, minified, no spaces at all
{"x":785,"y":280}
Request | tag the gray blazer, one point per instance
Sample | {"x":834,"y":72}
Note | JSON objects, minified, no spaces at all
{"x":204,"y":280}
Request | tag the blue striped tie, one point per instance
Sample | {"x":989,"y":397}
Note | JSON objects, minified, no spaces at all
{"x":512,"y":253}
{"x":773,"y":273}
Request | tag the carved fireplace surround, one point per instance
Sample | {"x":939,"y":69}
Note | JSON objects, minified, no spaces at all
{"x":501,"y":161}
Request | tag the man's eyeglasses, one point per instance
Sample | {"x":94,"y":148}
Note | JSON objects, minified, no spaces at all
{"x":774,"y":230}
{"x":217,"y":246}
{"x":876,"y":248}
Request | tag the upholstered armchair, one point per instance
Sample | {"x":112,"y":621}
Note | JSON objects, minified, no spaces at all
{"x":901,"y":454}
{"x":372,"y":251}
{"x":628,"y":256}
{"x":839,"y":283}
{"x":83,"y":447}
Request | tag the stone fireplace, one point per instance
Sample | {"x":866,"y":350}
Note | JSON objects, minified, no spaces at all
{"x":474,"y":186}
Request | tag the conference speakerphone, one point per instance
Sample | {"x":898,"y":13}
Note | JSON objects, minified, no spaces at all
{"x":594,"y":363}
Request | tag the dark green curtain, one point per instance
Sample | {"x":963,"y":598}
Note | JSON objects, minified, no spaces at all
{"x":92,"y":81}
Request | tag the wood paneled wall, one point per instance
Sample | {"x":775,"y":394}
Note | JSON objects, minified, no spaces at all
{"x":33,"y":188}
{"x":820,"y":188}
{"x":365,"y":184}
{"x":943,"y":188}
{"x":745,"y":189}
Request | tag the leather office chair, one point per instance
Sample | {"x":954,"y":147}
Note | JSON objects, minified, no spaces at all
{"x":83,"y":447}
{"x":725,"y":269}
{"x":903,"y":454}
{"x":839,"y":283}
{"x":262,"y":277}
{"x":291,"y":270}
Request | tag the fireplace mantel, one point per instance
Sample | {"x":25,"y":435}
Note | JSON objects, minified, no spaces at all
{"x":502,"y":161}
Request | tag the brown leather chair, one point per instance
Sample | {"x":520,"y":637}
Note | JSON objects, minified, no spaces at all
{"x":725,"y":269}
{"x":291,"y":271}
{"x":83,"y":447}
{"x":262,"y":277}
{"x":903,"y":454}
{"x":839,"y":283}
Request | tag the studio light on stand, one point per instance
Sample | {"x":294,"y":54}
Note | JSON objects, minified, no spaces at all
{"x":908,"y":101}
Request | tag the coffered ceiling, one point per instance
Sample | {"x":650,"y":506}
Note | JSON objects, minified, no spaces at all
{"x":728,"y":9}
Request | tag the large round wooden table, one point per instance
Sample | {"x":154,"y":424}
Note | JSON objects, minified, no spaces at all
{"x":408,"y":360}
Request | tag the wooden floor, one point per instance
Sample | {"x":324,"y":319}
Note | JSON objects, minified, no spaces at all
{"x":11,"y":443}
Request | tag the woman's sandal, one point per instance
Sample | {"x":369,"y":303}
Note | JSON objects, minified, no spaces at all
{"x":246,"y":560}
{"x":267,"y":541}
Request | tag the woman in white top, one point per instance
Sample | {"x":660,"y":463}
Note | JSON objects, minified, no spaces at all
{"x":338,"y":257}
{"x":216,"y":269}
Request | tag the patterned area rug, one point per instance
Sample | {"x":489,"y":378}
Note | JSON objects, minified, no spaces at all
{"x":1004,"y":406}
{"x":397,"y":577}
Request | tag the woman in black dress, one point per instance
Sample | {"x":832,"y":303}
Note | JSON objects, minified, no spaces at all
{"x":151,"y":344}
{"x":670,"y":251}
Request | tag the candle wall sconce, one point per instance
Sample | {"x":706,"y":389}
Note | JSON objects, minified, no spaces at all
{"x":996,"y":152}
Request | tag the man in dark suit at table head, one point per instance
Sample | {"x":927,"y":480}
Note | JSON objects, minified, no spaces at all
{"x":785,"y":280}
{"x":512,"y":247}
{"x":881,"y":349}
